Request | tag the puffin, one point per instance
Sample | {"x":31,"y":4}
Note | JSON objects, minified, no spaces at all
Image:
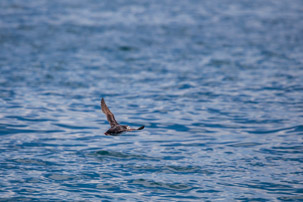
{"x":115,"y":127}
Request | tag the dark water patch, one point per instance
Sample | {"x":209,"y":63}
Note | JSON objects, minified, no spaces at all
{"x":88,"y":137}
{"x":127,"y":48}
{"x":254,"y":121}
{"x":267,"y":186}
{"x":291,"y":198}
{"x":245,"y":144}
{"x":90,"y":175}
{"x":34,"y":162}
{"x":9,"y":131}
{"x":102,"y":154}
{"x":298,"y":128}
{"x":292,"y":149}
{"x":160,"y":185}
{"x":294,"y":159}
{"x":61,"y":177}
{"x":184,"y":170}
{"x":73,"y":126}
{"x":120,"y":143}
{"x":6,"y":131}
{"x":21,"y":118}
{"x":13,"y":199}
{"x":275,"y":130}
{"x":48,"y":145}
{"x":173,"y":158}
{"x":170,"y":169}
{"x":182,"y":197}
{"x":216,"y":125}
{"x":252,"y":199}
{"x":185,"y":86}
{"x":217,"y":84}
{"x":177,"y":127}
{"x":283,"y":150}
{"x":6,"y":94}
{"x":12,"y":126}
{"x":208,"y":191}
{"x":185,"y":145}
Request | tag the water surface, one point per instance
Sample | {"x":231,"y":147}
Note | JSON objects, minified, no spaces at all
{"x":218,"y":85}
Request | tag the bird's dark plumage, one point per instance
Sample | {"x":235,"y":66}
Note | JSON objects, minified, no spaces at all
{"x":116,"y":128}
{"x":109,"y":115}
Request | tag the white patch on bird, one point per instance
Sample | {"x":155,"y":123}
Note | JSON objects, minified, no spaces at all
{"x":127,"y":127}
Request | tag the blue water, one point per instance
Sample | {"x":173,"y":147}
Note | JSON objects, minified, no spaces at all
{"x":218,"y":85}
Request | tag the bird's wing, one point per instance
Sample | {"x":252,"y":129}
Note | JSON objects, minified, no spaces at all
{"x":109,"y":115}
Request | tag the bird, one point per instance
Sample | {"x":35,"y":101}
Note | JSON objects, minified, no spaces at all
{"x":115,"y":127}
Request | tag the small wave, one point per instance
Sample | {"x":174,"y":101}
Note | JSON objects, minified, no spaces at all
{"x":73,"y":126}
{"x":289,"y":129}
{"x":61,"y":177}
{"x":12,"y":129}
{"x":21,"y":118}
{"x":245,"y":144}
{"x":266,"y":186}
{"x":120,"y":155}
{"x":283,"y":150}
{"x":177,"y":127}
{"x":170,"y":169}
{"x":34,"y":162}
{"x":161,"y":185}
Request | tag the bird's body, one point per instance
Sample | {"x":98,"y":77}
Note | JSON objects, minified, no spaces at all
{"x":116,"y":128}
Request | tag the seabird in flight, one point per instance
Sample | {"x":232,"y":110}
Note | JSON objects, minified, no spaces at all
{"x":116,"y":128}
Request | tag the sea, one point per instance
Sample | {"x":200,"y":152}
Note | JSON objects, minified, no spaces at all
{"x":218,"y":85}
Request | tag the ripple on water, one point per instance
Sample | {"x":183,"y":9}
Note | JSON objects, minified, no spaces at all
{"x":169,"y":169}
{"x":218,"y":85}
{"x":280,"y":130}
{"x":103,"y":154}
{"x":245,"y":144}
{"x":34,"y":162}
{"x":61,"y":177}
{"x":9,"y":129}
{"x":160,"y":185}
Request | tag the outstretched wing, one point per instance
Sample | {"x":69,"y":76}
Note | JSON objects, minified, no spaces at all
{"x":109,"y":115}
